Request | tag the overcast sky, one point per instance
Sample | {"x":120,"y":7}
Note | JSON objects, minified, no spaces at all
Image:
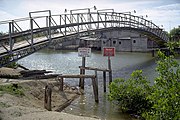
{"x":161,"y":12}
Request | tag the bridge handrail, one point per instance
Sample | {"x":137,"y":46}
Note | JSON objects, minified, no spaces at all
{"x":102,"y":13}
{"x":128,"y":18}
{"x":23,"y":40}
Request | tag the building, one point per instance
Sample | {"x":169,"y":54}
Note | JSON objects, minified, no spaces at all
{"x":122,"y":40}
{"x":126,"y":40}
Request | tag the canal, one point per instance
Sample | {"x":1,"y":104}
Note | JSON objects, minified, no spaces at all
{"x":68,"y":62}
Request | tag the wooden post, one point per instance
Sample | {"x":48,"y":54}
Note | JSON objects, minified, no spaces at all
{"x":95,"y":89}
{"x":104,"y":80}
{"x":110,"y":71}
{"x":82,"y":72}
{"x":152,"y":53}
{"x":47,"y":97}
{"x":61,"y":84}
{"x":96,"y":77}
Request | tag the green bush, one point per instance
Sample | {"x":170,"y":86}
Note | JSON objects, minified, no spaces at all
{"x":4,"y":105}
{"x":157,"y":102}
{"x":12,"y":64}
{"x":131,"y":94}
{"x":13,"y":89}
{"x":165,"y":98}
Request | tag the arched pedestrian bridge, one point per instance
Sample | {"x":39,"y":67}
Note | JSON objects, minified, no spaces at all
{"x":28,"y":35}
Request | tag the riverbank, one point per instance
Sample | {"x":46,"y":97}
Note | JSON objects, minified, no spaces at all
{"x":30,"y":105}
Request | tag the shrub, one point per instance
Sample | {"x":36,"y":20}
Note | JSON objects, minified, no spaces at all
{"x":157,"y":102}
{"x":4,"y":105}
{"x":165,"y":98}
{"x":131,"y":94}
{"x":13,"y":89}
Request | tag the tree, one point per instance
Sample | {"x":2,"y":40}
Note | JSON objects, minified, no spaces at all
{"x":174,"y":34}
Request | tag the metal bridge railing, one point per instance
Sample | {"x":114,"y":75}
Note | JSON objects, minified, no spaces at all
{"x":33,"y":32}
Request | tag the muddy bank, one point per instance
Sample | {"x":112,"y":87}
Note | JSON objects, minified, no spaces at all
{"x":30,"y":106}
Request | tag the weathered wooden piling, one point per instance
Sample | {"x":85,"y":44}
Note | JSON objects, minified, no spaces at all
{"x":94,"y":82}
{"x":153,"y":53}
{"x":82,"y":72}
{"x":95,"y":89}
{"x":47,"y":97}
{"x":61,"y":83}
{"x":96,"y":77}
{"x":104,"y":80}
{"x":98,"y":69}
{"x":110,"y":70}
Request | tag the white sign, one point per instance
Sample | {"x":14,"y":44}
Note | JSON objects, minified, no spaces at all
{"x":84,"y":52}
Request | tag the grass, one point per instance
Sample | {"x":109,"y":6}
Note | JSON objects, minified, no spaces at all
{"x":4,"y":105}
{"x":13,"y":89}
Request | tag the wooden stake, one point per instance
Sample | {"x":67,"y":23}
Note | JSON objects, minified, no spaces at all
{"x":61,"y":84}
{"x":153,"y":52}
{"x":47,"y":97}
{"x":96,"y":77}
{"x":110,"y":71}
{"x":82,"y":72}
{"x":95,"y":89}
{"x":104,"y":80}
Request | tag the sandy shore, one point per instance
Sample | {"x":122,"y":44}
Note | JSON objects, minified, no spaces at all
{"x":31,"y":106}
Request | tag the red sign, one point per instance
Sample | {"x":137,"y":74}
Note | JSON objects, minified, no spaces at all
{"x":109,"y":51}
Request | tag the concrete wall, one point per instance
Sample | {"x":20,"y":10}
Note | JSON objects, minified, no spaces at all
{"x":121,"y":33}
{"x":120,"y":45}
{"x":126,"y":40}
{"x":139,"y":44}
{"x":122,"y":40}
{"x":63,"y":43}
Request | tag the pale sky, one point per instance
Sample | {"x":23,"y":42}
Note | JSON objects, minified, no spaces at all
{"x":161,"y":12}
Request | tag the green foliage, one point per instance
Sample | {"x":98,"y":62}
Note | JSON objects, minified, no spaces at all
{"x":157,"y":102}
{"x":12,"y":65}
{"x":172,"y":45}
{"x":165,"y":97}
{"x":131,"y":94}
{"x":4,"y":105}
{"x":174,"y":34}
{"x":13,"y":89}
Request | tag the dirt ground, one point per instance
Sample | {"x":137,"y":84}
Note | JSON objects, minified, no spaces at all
{"x":31,"y":106}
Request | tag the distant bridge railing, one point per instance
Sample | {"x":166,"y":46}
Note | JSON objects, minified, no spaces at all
{"x":27,"y":35}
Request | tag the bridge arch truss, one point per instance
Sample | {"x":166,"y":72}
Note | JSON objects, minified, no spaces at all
{"x":28,"y":35}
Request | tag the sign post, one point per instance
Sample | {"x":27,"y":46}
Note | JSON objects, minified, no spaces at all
{"x":110,"y":70}
{"x":110,"y":52}
{"x":83,"y":52}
